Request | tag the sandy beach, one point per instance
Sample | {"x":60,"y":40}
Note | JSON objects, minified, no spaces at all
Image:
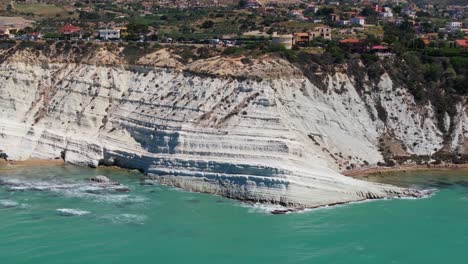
{"x":30,"y":162}
{"x":356,"y":173}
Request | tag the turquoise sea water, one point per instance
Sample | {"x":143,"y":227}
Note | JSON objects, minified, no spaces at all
{"x":50,"y":215}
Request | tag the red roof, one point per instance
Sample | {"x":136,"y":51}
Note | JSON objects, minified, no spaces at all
{"x":379,"y":47}
{"x":69,"y":29}
{"x":462,"y":43}
{"x":350,"y":40}
{"x":426,"y":41}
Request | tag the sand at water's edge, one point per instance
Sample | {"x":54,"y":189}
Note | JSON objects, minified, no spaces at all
{"x":30,"y":162}
{"x":351,"y":173}
{"x":402,"y":168}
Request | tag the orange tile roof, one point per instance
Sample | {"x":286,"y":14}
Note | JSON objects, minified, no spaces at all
{"x":68,"y":29}
{"x":462,"y":43}
{"x":350,"y":40}
{"x":426,"y":41}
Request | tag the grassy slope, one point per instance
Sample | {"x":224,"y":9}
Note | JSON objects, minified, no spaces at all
{"x":44,"y":10}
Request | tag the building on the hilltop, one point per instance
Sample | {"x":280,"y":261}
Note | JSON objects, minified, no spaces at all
{"x":361,"y":21}
{"x":453,"y":26}
{"x":386,"y":13}
{"x":252,"y":4}
{"x":353,"y":45}
{"x":301,"y":38}
{"x":349,"y":15}
{"x":70,"y":31}
{"x":313,"y":8}
{"x":33,"y":36}
{"x":109,"y":34}
{"x":344,"y":22}
{"x":123,"y":31}
{"x":380,"y":49}
{"x":321,"y":31}
{"x":285,"y":40}
{"x":409,"y":12}
{"x":425,"y":41}
{"x":5,"y":33}
{"x":334,"y":17}
{"x":462,"y":43}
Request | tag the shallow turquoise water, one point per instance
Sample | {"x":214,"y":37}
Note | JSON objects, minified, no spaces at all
{"x":154,"y":224}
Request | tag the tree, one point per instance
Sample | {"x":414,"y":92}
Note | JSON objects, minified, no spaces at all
{"x":207,"y":24}
{"x":433,"y":72}
{"x":419,"y":44}
{"x":397,"y":9}
{"x":89,"y":15}
{"x":372,"y":39}
{"x":137,"y":28}
{"x":427,"y":27}
{"x":368,"y":11}
{"x":325,"y":11}
{"x":422,"y":14}
{"x":461,"y":85}
{"x":242,"y":3}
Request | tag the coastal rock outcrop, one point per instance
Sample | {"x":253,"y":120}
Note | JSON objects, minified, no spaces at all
{"x":277,"y":139}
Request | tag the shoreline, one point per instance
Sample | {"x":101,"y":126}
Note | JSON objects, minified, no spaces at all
{"x":375,"y":170}
{"x":30,"y":162}
{"x":355,"y":173}
{"x":360,"y":173}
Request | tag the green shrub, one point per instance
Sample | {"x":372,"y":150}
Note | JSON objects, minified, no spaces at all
{"x":232,"y":51}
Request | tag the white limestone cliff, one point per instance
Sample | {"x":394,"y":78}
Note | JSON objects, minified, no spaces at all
{"x":276,"y":139}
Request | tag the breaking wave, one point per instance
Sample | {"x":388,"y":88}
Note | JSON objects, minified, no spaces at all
{"x":11,"y":204}
{"x":262,"y":208}
{"x":8,"y":204}
{"x":72,"y":212}
{"x":126,"y":219}
{"x":85,"y":190}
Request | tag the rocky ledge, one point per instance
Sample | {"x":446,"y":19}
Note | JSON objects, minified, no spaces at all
{"x":271,"y":136}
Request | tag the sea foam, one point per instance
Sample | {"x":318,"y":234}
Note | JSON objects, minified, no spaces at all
{"x":8,"y":204}
{"x":72,"y":212}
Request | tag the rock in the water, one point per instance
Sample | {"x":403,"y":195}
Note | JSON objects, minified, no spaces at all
{"x":104,"y":185}
{"x":100,"y":179}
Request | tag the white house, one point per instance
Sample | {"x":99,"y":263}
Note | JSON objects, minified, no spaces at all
{"x":344,"y":22}
{"x":453,"y":26}
{"x":409,"y":12}
{"x":286,"y":40}
{"x":387,"y":13}
{"x":313,"y":8}
{"x":358,"y":21}
{"x":109,"y":34}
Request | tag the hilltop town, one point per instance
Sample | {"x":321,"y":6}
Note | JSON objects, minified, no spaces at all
{"x":357,"y":26}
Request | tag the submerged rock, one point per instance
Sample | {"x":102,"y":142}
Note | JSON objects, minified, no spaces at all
{"x":104,"y":184}
{"x":100,"y":179}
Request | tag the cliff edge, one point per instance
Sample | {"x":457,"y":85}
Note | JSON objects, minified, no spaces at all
{"x":258,"y":129}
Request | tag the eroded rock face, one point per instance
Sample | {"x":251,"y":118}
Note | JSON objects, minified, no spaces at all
{"x":277,"y":139}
